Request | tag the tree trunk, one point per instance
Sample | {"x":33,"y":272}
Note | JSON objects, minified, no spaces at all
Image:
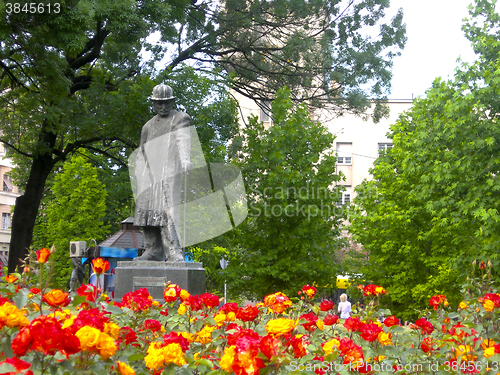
{"x":26,"y":210}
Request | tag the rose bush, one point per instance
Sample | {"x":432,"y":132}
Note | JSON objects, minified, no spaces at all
{"x":187,"y":334}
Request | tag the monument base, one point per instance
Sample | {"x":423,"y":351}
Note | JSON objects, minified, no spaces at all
{"x":153,"y":275}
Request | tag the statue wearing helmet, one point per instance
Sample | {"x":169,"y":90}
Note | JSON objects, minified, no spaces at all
{"x":164,"y":156}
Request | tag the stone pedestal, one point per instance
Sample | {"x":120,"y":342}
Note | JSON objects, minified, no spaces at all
{"x":153,"y":276}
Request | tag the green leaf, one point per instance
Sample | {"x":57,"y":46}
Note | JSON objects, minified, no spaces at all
{"x":113,"y":309}
{"x":136,"y":357}
{"x":7,"y":367}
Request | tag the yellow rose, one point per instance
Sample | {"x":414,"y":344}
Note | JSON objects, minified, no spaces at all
{"x":125,"y":369}
{"x":487,"y":343}
{"x":172,"y":353}
{"x":106,"y":346}
{"x":205,"y":335}
{"x":11,"y":316}
{"x":280,"y":326}
{"x":112,"y":329}
{"x":154,"y":360}
{"x":184,"y":295}
{"x":464,"y":350}
{"x":89,"y":337}
{"x":330,"y":346}
{"x":227,"y":360}
{"x":220,"y":318}
{"x":182,"y":309}
{"x":489,"y":352}
{"x":231,"y":316}
{"x":320,"y":324}
{"x":488,"y":305}
{"x":69,"y":322}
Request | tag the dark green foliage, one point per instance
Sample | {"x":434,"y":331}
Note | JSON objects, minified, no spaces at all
{"x":432,"y":207}
{"x":75,"y":213}
{"x":291,"y":234}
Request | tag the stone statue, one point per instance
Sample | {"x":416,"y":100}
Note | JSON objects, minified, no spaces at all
{"x":163,"y":159}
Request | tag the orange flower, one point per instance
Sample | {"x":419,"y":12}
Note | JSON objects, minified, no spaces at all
{"x":56,"y":298}
{"x":384,"y":338}
{"x":100,"y":265}
{"x":463,"y":305}
{"x":10,"y":278}
{"x":42,"y":255}
{"x":125,"y":369}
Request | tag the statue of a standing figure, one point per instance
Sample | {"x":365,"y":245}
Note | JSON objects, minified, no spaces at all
{"x":162,"y":161}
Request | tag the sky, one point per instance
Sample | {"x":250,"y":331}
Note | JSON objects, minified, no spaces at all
{"x":435,"y":41}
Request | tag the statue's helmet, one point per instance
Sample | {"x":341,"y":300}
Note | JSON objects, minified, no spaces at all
{"x":161,"y":93}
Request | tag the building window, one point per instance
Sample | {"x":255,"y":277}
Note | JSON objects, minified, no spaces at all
{"x":384,"y":146}
{"x":5,"y":220}
{"x":7,"y":184}
{"x":344,"y":153}
{"x":265,"y":110}
{"x":345,"y":198}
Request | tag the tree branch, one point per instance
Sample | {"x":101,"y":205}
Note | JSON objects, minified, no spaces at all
{"x":16,"y":149}
{"x":92,"y":49}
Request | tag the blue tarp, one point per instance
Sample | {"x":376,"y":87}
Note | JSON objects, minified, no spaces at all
{"x":116,"y":252}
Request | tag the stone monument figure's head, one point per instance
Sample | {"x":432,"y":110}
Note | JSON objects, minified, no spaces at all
{"x":163,"y":100}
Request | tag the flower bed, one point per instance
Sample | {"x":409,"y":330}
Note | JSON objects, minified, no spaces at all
{"x":190,"y":334}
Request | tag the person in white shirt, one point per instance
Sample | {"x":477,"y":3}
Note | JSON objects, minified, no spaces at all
{"x":344,"y":307}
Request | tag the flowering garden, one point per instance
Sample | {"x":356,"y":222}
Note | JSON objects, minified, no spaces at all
{"x":49,"y":331}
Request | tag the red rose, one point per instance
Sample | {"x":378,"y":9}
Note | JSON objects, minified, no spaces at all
{"x":391,"y":321}
{"x":269,"y":346}
{"x":330,"y":320}
{"x":174,"y":337}
{"x":326,"y":305}
{"x":370,"y":332}
{"x":152,"y":325}
{"x":247,"y":314}
{"x":210,"y":300}
{"x":353,"y":324}
{"x":425,"y":325}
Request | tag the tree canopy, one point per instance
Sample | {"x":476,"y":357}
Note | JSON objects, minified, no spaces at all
{"x":76,"y":212}
{"x":79,"y":75}
{"x":292,"y":231}
{"x":432,"y":207}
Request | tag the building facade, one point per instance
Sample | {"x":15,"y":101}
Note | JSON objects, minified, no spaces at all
{"x":8,"y":195}
{"x":359,"y":142}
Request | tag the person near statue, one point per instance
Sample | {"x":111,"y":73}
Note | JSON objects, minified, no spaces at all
{"x":162,"y":162}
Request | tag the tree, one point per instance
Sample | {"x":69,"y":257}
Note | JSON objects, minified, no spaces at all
{"x":292,"y":229}
{"x":75,"y":77}
{"x":75,"y":213}
{"x":432,"y":207}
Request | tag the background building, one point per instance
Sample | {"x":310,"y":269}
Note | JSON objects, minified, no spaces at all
{"x":358,"y":143}
{"x":8,"y":195}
